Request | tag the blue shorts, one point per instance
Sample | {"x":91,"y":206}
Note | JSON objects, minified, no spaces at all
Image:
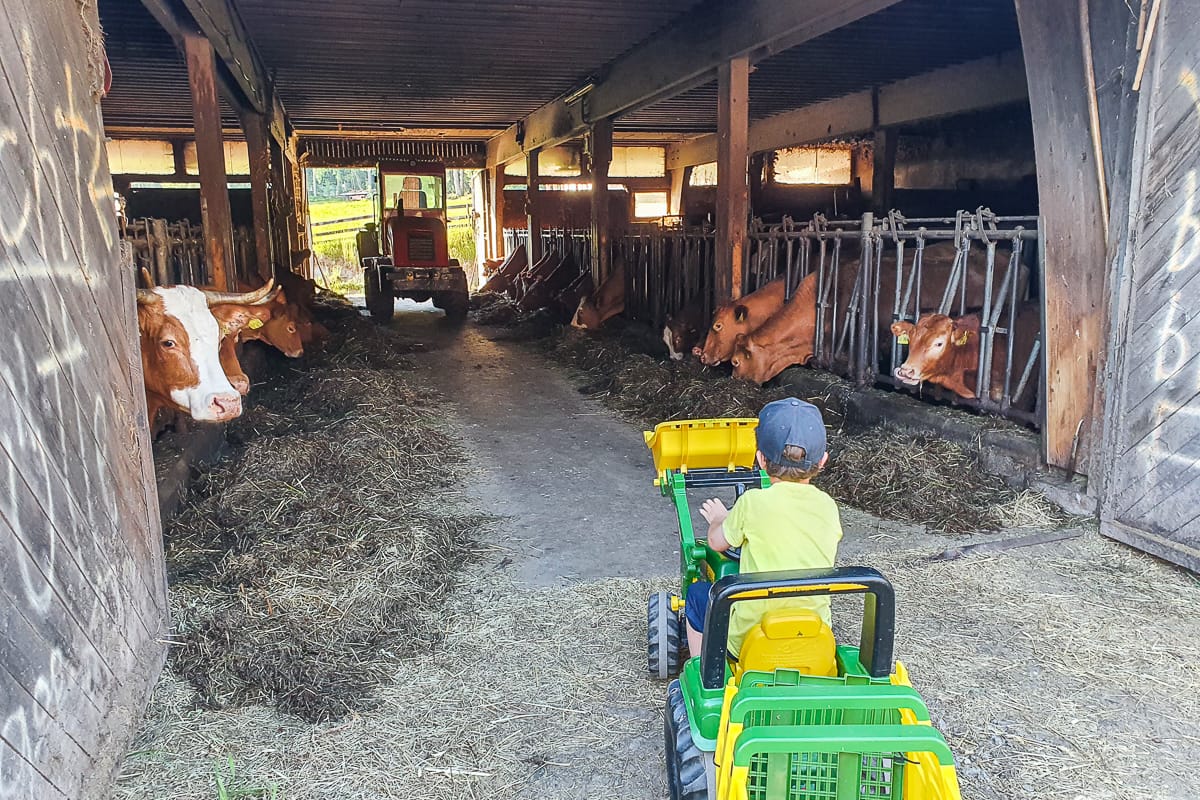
{"x":695,"y":607}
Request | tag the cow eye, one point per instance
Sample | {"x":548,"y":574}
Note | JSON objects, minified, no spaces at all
{"x":168,"y":344}
{"x":939,"y":343}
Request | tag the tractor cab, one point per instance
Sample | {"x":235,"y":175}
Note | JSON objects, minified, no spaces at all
{"x":408,"y":255}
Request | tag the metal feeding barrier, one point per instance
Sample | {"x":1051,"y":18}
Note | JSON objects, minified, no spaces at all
{"x":575,"y":242}
{"x":173,"y":252}
{"x":871,"y":273}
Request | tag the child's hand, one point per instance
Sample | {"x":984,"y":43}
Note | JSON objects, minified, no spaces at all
{"x":714,"y":511}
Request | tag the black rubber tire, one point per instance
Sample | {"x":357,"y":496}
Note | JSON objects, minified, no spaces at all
{"x":454,"y":304}
{"x":664,"y":637}
{"x":691,"y":774}
{"x":380,"y":304}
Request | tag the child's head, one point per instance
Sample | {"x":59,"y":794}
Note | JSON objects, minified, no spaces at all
{"x":791,"y":439}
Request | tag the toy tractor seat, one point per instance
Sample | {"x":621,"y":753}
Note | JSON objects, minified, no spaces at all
{"x":795,"y":639}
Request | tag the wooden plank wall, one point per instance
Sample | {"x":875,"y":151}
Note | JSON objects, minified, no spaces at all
{"x":82,"y":588}
{"x":1154,"y":409}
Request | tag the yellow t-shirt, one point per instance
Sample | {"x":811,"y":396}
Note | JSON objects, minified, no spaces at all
{"x":787,"y":526}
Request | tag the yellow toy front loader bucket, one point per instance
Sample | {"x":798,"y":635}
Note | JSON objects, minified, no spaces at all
{"x":702,"y":444}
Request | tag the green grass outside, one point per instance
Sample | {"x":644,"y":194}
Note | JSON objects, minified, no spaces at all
{"x":325,"y":210}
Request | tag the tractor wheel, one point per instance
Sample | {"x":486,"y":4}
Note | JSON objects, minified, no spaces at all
{"x":664,"y":637}
{"x":691,"y":774}
{"x":455,"y":305}
{"x":380,"y":304}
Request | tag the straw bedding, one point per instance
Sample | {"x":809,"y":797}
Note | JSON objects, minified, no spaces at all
{"x":315,"y":557}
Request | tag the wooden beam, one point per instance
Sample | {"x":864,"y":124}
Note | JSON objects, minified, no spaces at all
{"x":679,"y":58}
{"x":283,"y":211}
{"x":210,"y":158}
{"x":601,"y":144}
{"x":883,"y":170}
{"x":976,"y":85}
{"x":496,"y":210}
{"x":1072,"y":234}
{"x":259,"y":152}
{"x":244,"y":81}
{"x":733,"y":196}
{"x":679,"y":181}
{"x":532,"y":216}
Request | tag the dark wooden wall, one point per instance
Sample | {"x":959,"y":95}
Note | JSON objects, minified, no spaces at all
{"x":82,"y":590}
{"x":1153,"y":414}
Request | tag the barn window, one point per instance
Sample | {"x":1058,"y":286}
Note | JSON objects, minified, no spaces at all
{"x":649,"y":205}
{"x":140,"y":157}
{"x":237,"y":159}
{"x":813,"y":165}
{"x":562,"y":161}
{"x":638,"y":162}
{"x":704,"y":175}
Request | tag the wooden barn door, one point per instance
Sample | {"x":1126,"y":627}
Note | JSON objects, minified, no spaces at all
{"x":1151,"y":497}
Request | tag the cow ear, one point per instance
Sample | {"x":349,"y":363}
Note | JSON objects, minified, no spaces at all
{"x":903,"y":331}
{"x":740,"y":312}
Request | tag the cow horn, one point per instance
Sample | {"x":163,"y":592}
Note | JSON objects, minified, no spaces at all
{"x":147,"y":278}
{"x":256,"y":297}
{"x":145,"y":297}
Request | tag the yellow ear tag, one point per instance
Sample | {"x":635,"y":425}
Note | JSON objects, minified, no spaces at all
{"x":963,"y":339}
{"x":254,"y":324}
{"x":902,"y":338}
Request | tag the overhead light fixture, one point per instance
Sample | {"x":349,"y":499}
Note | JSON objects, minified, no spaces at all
{"x":578,"y":94}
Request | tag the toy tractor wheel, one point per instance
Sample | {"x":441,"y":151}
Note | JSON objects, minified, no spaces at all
{"x":691,"y":774}
{"x":380,"y":304}
{"x":664,"y":637}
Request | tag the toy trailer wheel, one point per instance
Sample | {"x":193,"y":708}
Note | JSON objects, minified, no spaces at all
{"x":691,"y":774}
{"x":380,"y":303}
{"x":664,"y":637}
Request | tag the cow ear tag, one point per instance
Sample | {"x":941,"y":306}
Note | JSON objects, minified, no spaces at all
{"x":254,"y":324}
{"x":963,"y":339}
{"x":902,"y":338}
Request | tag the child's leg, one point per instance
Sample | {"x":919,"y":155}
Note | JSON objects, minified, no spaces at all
{"x":695,"y":609}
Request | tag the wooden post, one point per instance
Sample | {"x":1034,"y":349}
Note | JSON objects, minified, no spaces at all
{"x":733,"y":195}
{"x":210,"y":158}
{"x":532,"y":216}
{"x":680,"y":178}
{"x":255,"y":127}
{"x":601,"y":147}
{"x":883,"y":170}
{"x":758,"y":180}
{"x":1069,"y":197}
{"x":496,"y":210}
{"x":284,"y":210}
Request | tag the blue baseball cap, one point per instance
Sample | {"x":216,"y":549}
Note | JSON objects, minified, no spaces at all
{"x":791,"y":422}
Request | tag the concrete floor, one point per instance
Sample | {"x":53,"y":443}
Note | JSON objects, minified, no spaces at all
{"x":573,"y":482}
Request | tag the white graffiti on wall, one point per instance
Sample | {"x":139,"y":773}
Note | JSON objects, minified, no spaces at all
{"x":1174,"y":351}
{"x":58,"y":443}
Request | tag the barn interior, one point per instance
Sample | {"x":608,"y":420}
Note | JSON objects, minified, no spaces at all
{"x":408,"y":569}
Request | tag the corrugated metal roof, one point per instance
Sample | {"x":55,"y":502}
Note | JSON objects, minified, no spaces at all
{"x":382,"y":64}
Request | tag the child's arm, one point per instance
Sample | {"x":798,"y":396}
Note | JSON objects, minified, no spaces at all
{"x":714,"y":513}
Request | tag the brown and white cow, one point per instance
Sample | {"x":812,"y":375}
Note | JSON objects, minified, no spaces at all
{"x":180,"y":341}
{"x":684,"y":330}
{"x":741,"y":316}
{"x":785,"y":339}
{"x":605,"y":303}
{"x":945,"y":351}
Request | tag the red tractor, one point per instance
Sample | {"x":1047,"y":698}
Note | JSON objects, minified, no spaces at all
{"x":411,"y":258}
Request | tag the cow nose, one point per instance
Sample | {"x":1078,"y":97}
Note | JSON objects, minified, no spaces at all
{"x":225,"y":406}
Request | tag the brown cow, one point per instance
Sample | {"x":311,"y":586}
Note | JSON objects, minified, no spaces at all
{"x":502,"y":281}
{"x":180,"y":339}
{"x":539,"y":271}
{"x":232,"y":319}
{"x":785,"y":339}
{"x":739,"y":317}
{"x":605,"y":303}
{"x":566,"y":302}
{"x":541,"y":293}
{"x":684,"y":330}
{"x":945,"y":351}
{"x":284,"y":328}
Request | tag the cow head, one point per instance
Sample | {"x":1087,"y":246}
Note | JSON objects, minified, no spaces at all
{"x":680,"y":335}
{"x":934,"y":344}
{"x":728,"y":322}
{"x":180,"y":340}
{"x":588,"y":316}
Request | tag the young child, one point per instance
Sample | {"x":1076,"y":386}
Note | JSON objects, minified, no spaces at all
{"x":791,"y":525}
